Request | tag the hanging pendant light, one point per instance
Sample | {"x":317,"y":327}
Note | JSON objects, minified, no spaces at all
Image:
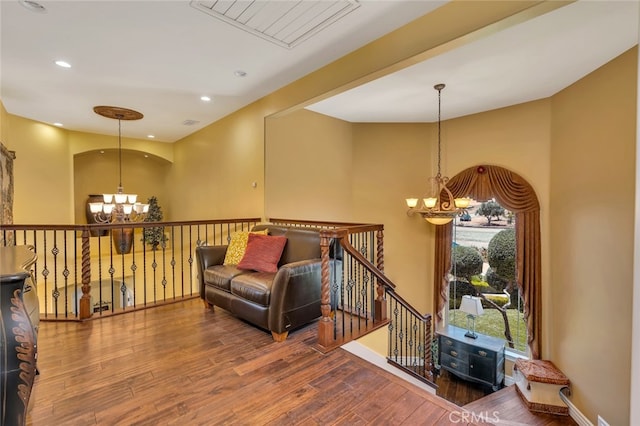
{"x":119,"y":206}
{"x":438,"y":207}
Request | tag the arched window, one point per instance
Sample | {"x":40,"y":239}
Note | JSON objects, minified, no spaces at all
{"x":515,"y":194}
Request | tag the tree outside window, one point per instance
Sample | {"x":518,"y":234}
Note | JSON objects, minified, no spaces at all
{"x":483,"y":260}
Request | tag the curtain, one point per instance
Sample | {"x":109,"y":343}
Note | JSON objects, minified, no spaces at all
{"x":515,"y":194}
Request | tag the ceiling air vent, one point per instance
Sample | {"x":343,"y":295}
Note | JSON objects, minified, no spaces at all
{"x":285,"y":23}
{"x":190,"y":122}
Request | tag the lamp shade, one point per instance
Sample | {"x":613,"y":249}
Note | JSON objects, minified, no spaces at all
{"x":412,"y":202}
{"x":438,"y":220}
{"x":471,"y":305}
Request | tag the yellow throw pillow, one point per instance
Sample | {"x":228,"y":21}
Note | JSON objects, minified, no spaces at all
{"x":237,"y":246}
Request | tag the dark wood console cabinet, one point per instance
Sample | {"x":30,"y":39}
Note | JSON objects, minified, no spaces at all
{"x":479,"y":360}
{"x":17,"y":335}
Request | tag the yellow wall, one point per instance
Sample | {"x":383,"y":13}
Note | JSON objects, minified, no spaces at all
{"x":308,"y":167}
{"x":82,"y":142}
{"x":592,"y":217}
{"x":215,"y":168}
{"x":43,"y":172}
{"x":44,"y":168}
{"x":391,"y":162}
{"x":96,"y":172}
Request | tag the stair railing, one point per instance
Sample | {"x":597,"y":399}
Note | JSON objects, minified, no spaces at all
{"x":357,"y":297}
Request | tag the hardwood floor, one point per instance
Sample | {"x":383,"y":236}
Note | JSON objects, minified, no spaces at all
{"x":183,"y":364}
{"x":501,"y":407}
{"x":459,"y":391}
{"x":508,"y":408}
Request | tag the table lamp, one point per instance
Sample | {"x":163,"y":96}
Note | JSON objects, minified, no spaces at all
{"x":472,"y":306}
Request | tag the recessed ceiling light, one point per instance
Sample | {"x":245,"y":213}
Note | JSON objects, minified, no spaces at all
{"x":150,"y":136}
{"x":101,"y":152}
{"x":57,"y":124}
{"x":146,"y":156}
{"x":33,"y":6}
{"x":205,"y":98}
{"x":63,"y":64}
{"x":240,"y":73}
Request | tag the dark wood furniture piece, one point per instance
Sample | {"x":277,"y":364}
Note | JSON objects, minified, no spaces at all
{"x":479,"y":360}
{"x":17,"y":335}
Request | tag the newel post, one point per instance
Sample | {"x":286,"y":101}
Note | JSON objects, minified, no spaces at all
{"x":380,"y":307}
{"x":85,"y":300}
{"x":325,"y":326}
{"x":428,"y":355}
{"x":380,"y":250}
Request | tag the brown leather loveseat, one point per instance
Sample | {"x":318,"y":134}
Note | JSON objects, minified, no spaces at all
{"x":276,"y":301}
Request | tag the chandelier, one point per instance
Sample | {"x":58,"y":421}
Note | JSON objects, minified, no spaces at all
{"x":438,"y":207}
{"x":120,"y":206}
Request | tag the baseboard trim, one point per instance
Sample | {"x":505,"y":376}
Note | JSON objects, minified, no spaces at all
{"x":574,"y":413}
{"x":361,"y":351}
{"x":508,"y":381}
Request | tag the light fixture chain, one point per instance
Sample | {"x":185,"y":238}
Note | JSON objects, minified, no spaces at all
{"x":120,"y":150}
{"x":439,"y":208}
{"x":439,"y":137}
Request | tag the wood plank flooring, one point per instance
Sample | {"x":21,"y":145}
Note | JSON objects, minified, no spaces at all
{"x":460,"y":392}
{"x":511,"y":411}
{"x":501,"y":407}
{"x":181,"y":364}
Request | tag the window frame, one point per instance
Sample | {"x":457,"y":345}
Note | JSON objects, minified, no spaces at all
{"x":515,"y":194}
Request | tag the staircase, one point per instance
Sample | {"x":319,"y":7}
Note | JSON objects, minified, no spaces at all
{"x":358,"y":298}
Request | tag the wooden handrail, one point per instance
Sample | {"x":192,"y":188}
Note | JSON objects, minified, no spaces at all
{"x":314,"y":222}
{"x":82,"y":227}
{"x":362,"y":291}
{"x":408,"y":306}
{"x":70,"y":257}
{"x":380,"y":277}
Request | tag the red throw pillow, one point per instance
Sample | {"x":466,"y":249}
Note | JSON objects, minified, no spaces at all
{"x":263,"y":253}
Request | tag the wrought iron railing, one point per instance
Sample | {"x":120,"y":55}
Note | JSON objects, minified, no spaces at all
{"x":410,"y":338}
{"x":357,"y":297}
{"x":80,"y":276}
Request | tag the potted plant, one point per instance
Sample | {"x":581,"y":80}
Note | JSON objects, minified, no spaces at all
{"x":154,"y":235}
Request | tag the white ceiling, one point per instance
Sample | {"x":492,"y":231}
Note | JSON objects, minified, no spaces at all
{"x":529,"y":61}
{"x":159,"y":57}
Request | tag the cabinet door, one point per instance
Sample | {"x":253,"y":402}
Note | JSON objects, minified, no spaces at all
{"x":482,"y":368}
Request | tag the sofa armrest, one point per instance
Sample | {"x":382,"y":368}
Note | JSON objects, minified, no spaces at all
{"x":208,"y":256}
{"x":296,"y":284}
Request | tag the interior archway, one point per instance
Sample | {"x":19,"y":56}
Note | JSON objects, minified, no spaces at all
{"x":97,"y":172}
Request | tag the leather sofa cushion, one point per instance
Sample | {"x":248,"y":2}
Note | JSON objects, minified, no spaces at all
{"x":254,"y":286}
{"x":302,"y":244}
{"x":221,"y":275}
